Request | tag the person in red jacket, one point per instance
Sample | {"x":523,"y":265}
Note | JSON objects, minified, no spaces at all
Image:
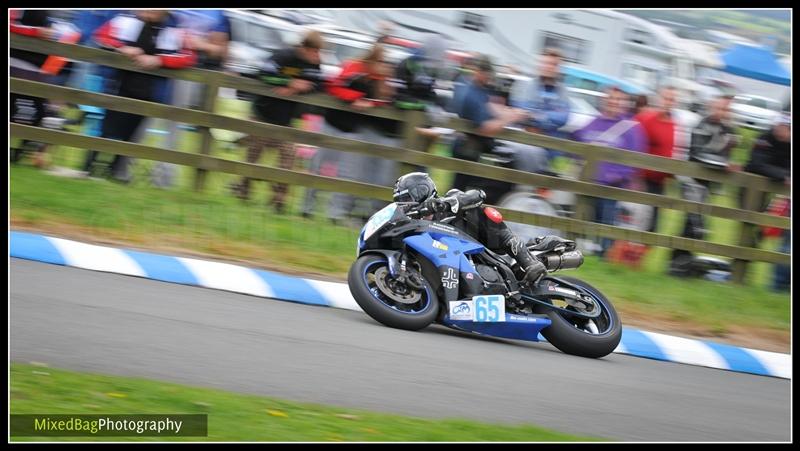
{"x":363,"y":83}
{"x":659,"y":127}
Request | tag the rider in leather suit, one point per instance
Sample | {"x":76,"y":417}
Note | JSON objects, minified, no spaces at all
{"x":485,"y":224}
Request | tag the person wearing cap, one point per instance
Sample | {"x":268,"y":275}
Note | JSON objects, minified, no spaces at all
{"x":293,"y":70}
{"x":487,"y":119}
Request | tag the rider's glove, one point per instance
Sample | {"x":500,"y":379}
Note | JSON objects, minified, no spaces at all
{"x":471,"y":199}
{"x":436,"y":205}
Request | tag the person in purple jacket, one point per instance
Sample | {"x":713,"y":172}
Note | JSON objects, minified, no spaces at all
{"x":613,"y":128}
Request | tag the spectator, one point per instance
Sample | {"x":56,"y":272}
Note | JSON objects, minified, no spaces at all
{"x":88,"y":21}
{"x":771,"y":158}
{"x":31,"y":22}
{"x":151,"y":39}
{"x":364,"y":84}
{"x":660,"y":130}
{"x":545,"y":98}
{"x":27,"y":65}
{"x":714,"y":136}
{"x":416,"y":78}
{"x":613,"y":129}
{"x":418,"y":73}
{"x":525,"y":157}
{"x":461,"y":83}
{"x":294,"y":70}
{"x":711,"y":143}
{"x":771,"y":155}
{"x":487,"y":120}
{"x":208,"y":34}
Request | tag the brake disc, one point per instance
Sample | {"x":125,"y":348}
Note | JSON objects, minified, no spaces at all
{"x":396,"y":291}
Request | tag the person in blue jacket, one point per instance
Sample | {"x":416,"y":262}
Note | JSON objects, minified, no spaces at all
{"x":546,"y":99}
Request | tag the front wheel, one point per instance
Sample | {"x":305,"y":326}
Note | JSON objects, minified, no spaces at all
{"x":387,"y":300}
{"x":572,"y":334}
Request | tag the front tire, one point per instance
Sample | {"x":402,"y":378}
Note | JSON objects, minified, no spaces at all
{"x":363,"y":283}
{"x":566,"y":335}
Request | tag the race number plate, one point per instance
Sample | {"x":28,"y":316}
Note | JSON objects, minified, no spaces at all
{"x":490,"y":309}
{"x":482,"y":309}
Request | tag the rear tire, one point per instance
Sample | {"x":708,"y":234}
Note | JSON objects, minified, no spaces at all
{"x":565,"y":336}
{"x":377,"y":309}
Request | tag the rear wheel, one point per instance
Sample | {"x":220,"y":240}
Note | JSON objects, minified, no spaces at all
{"x":596,"y":337}
{"x":387,"y":300}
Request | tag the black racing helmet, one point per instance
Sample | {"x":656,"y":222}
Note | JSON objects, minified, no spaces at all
{"x":414,"y":187}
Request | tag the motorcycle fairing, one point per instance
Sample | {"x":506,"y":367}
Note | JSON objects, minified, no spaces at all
{"x":448,"y":254}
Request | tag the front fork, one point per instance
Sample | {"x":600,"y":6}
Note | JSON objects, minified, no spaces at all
{"x":399,"y":269}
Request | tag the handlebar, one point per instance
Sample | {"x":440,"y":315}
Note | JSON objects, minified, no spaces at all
{"x":455,"y":203}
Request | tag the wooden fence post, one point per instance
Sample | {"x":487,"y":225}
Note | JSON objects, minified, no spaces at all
{"x":584,"y":204}
{"x":412,"y":139}
{"x":209,"y":101}
{"x":747,"y":231}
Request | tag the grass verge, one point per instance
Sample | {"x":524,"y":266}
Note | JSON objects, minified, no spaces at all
{"x":239,"y":417}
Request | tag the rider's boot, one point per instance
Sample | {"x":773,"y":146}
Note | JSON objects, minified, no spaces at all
{"x":530,"y":265}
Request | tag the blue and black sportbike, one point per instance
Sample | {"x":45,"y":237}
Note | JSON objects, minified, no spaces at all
{"x":412,"y":271}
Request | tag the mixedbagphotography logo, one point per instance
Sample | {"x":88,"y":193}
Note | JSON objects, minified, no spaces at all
{"x":172,"y":425}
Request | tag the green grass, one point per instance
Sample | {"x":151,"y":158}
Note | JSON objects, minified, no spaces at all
{"x":238,"y":417}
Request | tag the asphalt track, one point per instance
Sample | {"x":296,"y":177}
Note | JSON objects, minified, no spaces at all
{"x":114,"y":324}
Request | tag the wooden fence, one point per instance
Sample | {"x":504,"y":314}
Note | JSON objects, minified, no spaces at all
{"x":412,"y":153}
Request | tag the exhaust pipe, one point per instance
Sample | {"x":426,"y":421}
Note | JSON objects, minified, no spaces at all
{"x":567,"y":260}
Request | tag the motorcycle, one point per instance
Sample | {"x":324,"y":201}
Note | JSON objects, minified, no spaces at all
{"x":411,"y":272}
